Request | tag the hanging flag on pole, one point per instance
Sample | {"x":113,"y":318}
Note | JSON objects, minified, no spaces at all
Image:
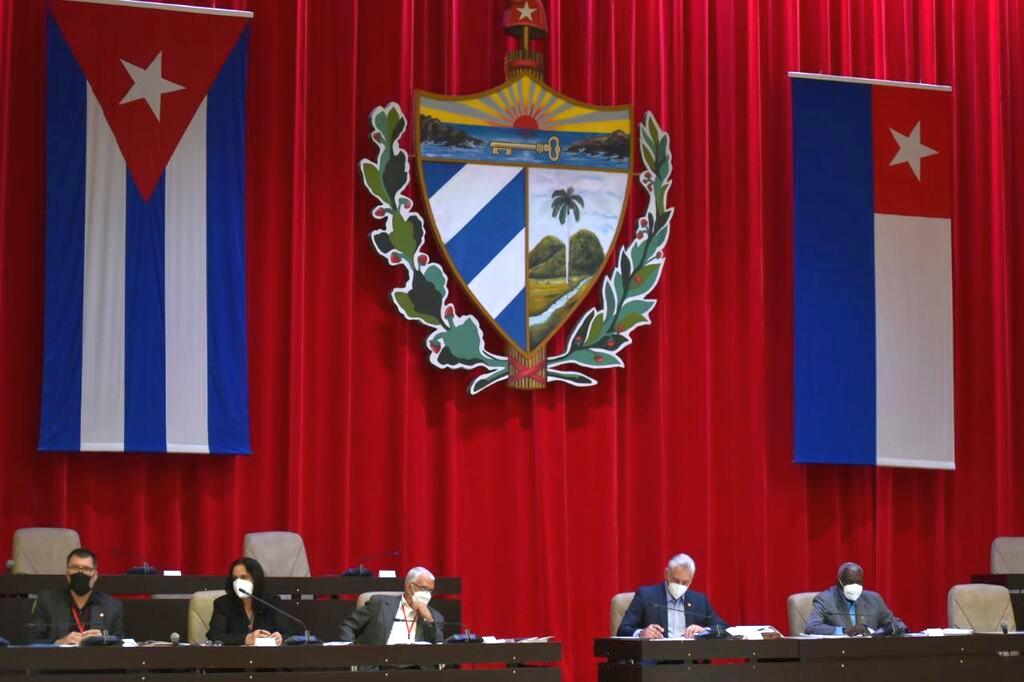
{"x":872,"y":272}
{"x":145,"y":332}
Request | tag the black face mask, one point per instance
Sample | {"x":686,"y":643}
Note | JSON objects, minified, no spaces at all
{"x":80,"y":584}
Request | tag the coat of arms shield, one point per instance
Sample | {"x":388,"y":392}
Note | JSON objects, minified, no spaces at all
{"x":526,"y":191}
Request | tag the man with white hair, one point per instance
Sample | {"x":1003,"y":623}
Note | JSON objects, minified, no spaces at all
{"x":671,"y":608}
{"x":393,"y":619}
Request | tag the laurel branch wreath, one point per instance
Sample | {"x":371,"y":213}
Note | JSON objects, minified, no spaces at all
{"x":456,"y":341}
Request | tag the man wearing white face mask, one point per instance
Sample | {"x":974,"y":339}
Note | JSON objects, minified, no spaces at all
{"x":671,"y":608}
{"x":387,"y":619}
{"x":847,"y":608}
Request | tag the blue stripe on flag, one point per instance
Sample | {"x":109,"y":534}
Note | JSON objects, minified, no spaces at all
{"x":833,"y":274}
{"x":435,"y":174}
{"x":490,"y":230}
{"x":61,"y":413}
{"x":227,"y":373}
{"x":513,"y":319}
{"x":145,"y":395}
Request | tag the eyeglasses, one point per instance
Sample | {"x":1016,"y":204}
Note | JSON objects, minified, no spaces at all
{"x":81,"y":569}
{"x":422,"y":588}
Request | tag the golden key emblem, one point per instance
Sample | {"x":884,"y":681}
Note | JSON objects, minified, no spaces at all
{"x":552,"y":148}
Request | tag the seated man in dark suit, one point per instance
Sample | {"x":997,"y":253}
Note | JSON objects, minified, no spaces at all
{"x":670,"y":609}
{"x":73,"y":613}
{"x":386,"y":619}
{"x":847,"y":608}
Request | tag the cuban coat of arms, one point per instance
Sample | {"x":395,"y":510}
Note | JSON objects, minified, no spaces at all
{"x":525,"y":191}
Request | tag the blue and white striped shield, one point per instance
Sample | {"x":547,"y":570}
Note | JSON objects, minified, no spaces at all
{"x":526,"y":191}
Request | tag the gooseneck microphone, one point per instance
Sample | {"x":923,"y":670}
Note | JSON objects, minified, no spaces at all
{"x":362,"y":571}
{"x":712,"y":631}
{"x":894,"y":629}
{"x":294,"y":639}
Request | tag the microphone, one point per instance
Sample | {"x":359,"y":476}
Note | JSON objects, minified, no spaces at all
{"x":894,"y":629}
{"x":4,"y":642}
{"x":1005,"y":627}
{"x":105,"y":639}
{"x":175,"y":639}
{"x":144,"y":569}
{"x":362,"y":571}
{"x":294,"y":639}
{"x":714,"y":631}
{"x":102,"y":639}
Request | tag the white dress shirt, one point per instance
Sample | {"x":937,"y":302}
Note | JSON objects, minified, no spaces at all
{"x":404,"y":629}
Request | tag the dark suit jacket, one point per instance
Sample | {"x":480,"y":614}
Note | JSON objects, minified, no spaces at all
{"x":650,"y":605}
{"x":372,"y":623}
{"x":230,"y":625}
{"x":52,"y":617}
{"x":831,"y":610}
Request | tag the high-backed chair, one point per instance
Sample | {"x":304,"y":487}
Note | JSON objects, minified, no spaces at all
{"x":620,"y":603}
{"x":42,"y":551}
{"x":200,"y":611}
{"x":365,"y":597}
{"x":799,"y":607}
{"x":982,"y":608}
{"x":280,"y":553}
{"x":1007,"y":555}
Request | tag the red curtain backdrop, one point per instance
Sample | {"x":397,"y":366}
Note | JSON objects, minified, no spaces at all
{"x":548,"y":502}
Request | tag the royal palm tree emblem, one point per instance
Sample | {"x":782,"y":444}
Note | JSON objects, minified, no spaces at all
{"x":564,"y":202}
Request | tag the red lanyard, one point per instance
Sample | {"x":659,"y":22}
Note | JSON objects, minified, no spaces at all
{"x":78,"y":622}
{"x":410,"y":625}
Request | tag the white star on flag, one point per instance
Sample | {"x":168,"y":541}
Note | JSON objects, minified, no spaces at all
{"x":911,"y":150}
{"x":526,"y":12}
{"x":149,"y":84}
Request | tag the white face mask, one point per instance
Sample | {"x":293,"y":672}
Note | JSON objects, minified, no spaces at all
{"x":677,"y":590}
{"x":852,"y":591}
{"x":422,"y":596}
{"x":241,"y":586}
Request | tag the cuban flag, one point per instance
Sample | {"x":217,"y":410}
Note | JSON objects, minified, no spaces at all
{"x":145,"y":332}
{"x":872,"y":272}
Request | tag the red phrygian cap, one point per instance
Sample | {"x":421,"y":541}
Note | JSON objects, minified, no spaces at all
{"x":522,"y":14}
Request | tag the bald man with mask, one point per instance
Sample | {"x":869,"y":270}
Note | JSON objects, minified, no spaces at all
{"x":847,"y":608}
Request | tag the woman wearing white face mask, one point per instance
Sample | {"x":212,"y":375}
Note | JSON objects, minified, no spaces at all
{"x":240,"y":619}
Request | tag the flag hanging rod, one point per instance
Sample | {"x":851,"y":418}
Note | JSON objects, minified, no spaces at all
{"x":869,"y":81}
{"x":141,"y":4}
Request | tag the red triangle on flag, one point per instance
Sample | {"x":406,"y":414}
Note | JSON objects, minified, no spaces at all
{"x":150,"y":68}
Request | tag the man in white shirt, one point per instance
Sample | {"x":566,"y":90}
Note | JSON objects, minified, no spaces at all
{"x":392,"y":619}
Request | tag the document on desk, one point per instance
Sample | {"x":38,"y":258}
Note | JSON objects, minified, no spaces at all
{"x":944,"y":632}
{"x":531,"y":640}
{"x":754,"y":632}
{"x":337,"y":643}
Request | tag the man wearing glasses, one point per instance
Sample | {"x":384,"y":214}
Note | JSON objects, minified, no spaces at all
{"x":73,"y":613}
{"x":392,"y":619}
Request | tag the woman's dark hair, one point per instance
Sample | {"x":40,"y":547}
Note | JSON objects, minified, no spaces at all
{"x":259,"y":580}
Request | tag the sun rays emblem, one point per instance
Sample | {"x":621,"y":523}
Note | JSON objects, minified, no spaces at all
{"x":526,"y":190}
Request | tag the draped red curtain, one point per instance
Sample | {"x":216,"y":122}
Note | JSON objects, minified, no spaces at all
{"x":548,"y":502}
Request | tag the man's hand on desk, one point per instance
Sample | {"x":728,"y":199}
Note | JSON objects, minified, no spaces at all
{"x":77,"y":637}
{"x":692,"y":631}
{"x":652,"y":631}
{"x":859,"y":630}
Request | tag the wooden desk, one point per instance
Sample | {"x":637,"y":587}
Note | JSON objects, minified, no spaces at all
{"x":505,"y":663}
{"x":973,"y":657}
